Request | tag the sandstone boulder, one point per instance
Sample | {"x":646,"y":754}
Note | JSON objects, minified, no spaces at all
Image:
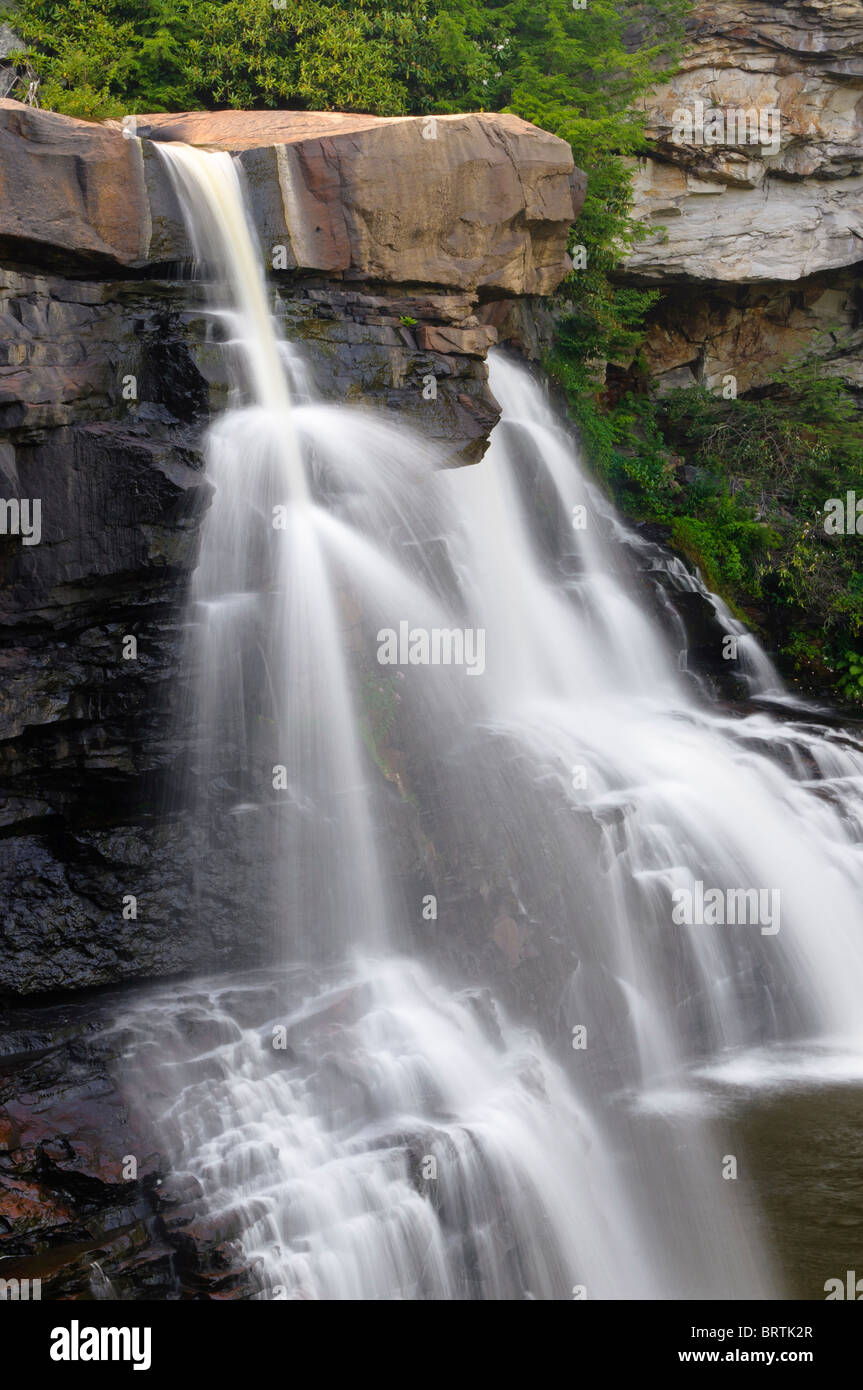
{"x":464,"y":202}
{"x":69,"y":190}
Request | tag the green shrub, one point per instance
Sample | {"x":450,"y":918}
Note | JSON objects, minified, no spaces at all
{"x":849,"y":667}
{"x":741,"y":486}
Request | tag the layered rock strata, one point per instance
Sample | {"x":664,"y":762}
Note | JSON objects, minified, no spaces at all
{"x":756,"y":194}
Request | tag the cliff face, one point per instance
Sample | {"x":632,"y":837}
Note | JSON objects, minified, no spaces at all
{"x":759,"y":244}
{"x":396,"y":248}
{"x":397,"y":244}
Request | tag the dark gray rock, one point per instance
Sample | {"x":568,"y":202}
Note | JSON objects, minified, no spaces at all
{"x":92,"y":746}
{"x":71,"y":1213}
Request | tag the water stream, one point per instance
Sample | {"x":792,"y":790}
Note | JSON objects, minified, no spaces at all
{"x":486,"y":1073}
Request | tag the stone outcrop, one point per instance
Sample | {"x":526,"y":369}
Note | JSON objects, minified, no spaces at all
{"x":390,"y":236}
{"x":760,"y":243}
{"x":400,"y":251}
{"x":478,"y":202}
{"x":72,"y":192}
{"x":74,"y":1212}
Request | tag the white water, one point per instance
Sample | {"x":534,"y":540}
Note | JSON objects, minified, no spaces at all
{"x":274,"y":692}
{"x":550,"y":1172}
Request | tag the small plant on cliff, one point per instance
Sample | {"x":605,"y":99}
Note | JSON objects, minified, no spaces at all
{"x":849,"y":683}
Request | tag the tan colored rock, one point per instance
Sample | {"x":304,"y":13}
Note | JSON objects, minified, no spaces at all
{"x":772,"y":238}
{"x":69,"y":189}
{"x":486,"y":203}
{"x":711,"y":230}
{"x":752,"y":330}
{"x":469,"y":201}
{"x":246,"y":130}
{"x":468,"y":342}
{"x":739,"y":211}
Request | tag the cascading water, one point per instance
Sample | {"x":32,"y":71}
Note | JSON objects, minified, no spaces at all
{"x":371,"y":1127}
{"x":267,"y":627}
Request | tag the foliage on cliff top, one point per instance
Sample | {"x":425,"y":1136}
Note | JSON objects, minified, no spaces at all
{"x":569,"y":65}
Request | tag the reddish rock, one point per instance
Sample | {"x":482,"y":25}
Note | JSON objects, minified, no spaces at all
{"x":68,"y":1216}
{"x":245,"y":130}
{"x":26,"y":1204}
{"x":10,"y":1135}
{"x":470,"y":342}
{"x":486,"y":203}
{"x":69,"y":187}
{"x":80,"y":1131}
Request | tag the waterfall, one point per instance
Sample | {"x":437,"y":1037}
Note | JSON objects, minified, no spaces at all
{"x":484,"y":1073}
{"x":265,"y":613}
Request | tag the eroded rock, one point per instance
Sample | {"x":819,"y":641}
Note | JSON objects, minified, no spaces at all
{"x":466,"y":202}
{"x":772,"y":235}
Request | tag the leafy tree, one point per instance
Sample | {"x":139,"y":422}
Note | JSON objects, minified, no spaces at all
{"x":157,"y":55}
{"x":579,"y":73}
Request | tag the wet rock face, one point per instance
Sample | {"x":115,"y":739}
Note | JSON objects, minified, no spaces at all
{"x":93,"y":744}
{"x":121,"y":494}
{"x":395,"y":259}
{"x":88,"y":1205}
{"x":781,"y":219}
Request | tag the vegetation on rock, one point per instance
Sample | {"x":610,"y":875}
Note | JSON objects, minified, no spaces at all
{"x":739,"y":487}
